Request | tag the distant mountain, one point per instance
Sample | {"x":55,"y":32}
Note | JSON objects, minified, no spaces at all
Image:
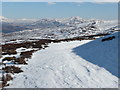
{"x":23,"y":20}
{"x":14,"y":25}
{"x":4,"y":19}
{"x":46,"y":23}
{"x":56,"y":28}
{"x":10,"y":27}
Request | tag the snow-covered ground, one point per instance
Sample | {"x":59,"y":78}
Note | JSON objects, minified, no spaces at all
{"x":56,"y":28}
{"x":62,"y":65}
{"x":103,"y":54}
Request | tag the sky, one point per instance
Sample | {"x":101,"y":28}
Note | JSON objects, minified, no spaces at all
{"x":93,"y":10}
{"x":60,"y":0}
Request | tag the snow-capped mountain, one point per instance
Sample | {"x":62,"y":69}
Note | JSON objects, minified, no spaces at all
{"x":14,"y":25}
{"x":4,"y":19}
{"x":23,"y":20}
{"x":46,"y":23}
{"x":59,"y":28}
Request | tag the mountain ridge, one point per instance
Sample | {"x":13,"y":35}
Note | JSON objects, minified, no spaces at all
{"x":57,"y":28}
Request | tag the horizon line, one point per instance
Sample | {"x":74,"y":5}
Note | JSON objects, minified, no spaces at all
{"x":58,"y":18}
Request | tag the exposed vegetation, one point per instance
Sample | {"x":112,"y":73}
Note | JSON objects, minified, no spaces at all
{"x":5,"y":79}
{"x":12,"y":69}
{"x":10,"y":49}
{"x":109,"y":38}
{"x":9,"y":58}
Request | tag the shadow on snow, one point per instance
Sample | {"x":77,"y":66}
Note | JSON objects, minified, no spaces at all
{"x":103,"y":54}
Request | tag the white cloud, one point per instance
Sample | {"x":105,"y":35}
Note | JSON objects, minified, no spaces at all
{"x":51,"y":3}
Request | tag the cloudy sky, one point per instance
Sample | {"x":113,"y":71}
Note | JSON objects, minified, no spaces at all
{"x":89,"y":10}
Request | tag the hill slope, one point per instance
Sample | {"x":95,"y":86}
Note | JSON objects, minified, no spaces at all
{"x":75,"y":64}
{"x":102,"y":52}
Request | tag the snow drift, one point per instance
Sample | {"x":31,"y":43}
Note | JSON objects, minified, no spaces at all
{"x":102,"y":53}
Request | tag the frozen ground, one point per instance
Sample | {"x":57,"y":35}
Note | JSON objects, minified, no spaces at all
{"x":62,"y":65}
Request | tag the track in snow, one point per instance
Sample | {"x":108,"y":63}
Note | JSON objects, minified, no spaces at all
{"x":58,"y":67}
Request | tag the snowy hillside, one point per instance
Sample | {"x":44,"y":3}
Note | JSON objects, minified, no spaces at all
{"x":102,"y":53}
{"x":57,"y":28}
{"x":74,"y":64}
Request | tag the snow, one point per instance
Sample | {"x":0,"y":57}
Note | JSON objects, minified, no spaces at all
{"x":61,"y":65}
{"x":18,"y":50}
{"x":23,"y":49}
{"x":103,"y":54}
{"x":75,"y":64}
{"x":61,"y":28}
{"x":4,"y":19}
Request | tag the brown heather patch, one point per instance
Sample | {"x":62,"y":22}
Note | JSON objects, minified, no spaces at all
{"x":10,"y":48}
{"x":12,"y":69}
{"x":0,"y":56}
{"x":27,"y":54}
{"x":9,"y":58}
{"x":9,"y":52}
{"x":20,"y":61}
{"x":5,"y":79}
{"x":108,"y":38}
